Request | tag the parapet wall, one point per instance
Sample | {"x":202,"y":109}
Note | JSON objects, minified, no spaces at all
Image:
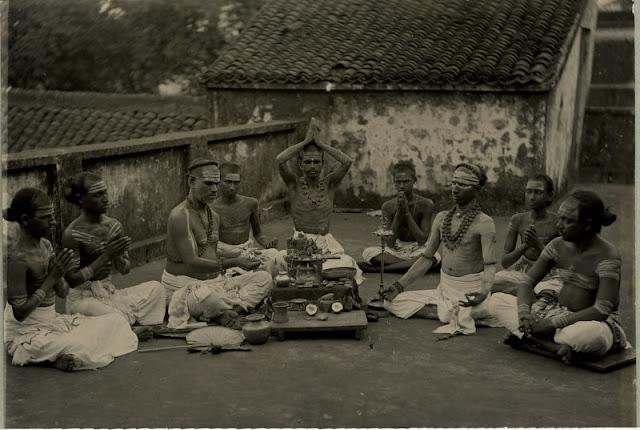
{"x":147,"y":177}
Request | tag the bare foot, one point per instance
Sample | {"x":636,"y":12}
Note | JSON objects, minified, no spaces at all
{"x":566,"y":354}
{"x":429,"y":312}
{"x":68,"y":363}
{"x":143,"y":332}
{"x":229,"y":319}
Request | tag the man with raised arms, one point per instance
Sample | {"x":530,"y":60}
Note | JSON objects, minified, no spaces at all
{"x":194,"y":279}
{"x":311,"y":193}
{"x":468,"y":263}
{"x":239,"y":218}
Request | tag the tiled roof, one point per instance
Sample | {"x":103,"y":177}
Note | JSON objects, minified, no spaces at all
{"x":443,"y":43}
{"x":43,"y":126}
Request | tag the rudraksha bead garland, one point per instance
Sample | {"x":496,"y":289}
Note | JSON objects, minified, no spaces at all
{"x":470,"y":213}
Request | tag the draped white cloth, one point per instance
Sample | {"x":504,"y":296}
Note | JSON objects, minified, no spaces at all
{"x":189,"y":297}
{"x":45,"y":335}
{"x":452,"y":289}
{"x":143,"y":303}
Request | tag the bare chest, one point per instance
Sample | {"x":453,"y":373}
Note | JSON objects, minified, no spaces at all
{"x":233,"y":216}
{"x":93,"y":237}
{"x":204,"y":228}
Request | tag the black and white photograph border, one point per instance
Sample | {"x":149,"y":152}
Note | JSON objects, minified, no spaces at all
{"x":318,"y":213}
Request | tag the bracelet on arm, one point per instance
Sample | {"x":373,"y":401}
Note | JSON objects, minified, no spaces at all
{"x":398,"y":286}
{"x":87,"y":273}
{"x":560,"y":321}
{"x":39,"y":294}
{"x":524,"y":310}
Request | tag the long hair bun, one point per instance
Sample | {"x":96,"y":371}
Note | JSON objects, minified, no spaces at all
{"x":608,"y":218}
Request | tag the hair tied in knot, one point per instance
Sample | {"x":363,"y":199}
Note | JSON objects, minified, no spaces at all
{"x":608,"y":218}
{"x":6,"y":214}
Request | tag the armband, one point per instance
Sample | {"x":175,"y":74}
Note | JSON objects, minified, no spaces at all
{"x":39,"y":294}
{"x":605,"y":307}
{"x":524,"y":308}
{"x":560,"y":321}
{"x":490,"y":263}
{"x":86,"y":273}
{"x":528,"y":281}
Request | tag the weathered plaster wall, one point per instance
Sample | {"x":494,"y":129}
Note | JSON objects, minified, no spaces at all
{"x":504,"y":132}
{"x":147,"y":177}
{"x":560,"y":129}
{"x":143,"y":188}
{"x":22,"y":178}
{"x":256,"y":157}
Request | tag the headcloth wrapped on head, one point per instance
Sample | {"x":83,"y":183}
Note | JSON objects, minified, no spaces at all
{"x":202,"y":162}
{"x":469,"y":174}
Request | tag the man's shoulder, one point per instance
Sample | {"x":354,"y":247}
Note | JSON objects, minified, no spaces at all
{"x":424,"y":202}
{"x":390,"y":204}
{"x":251,"y":202}
{"x":518,"y":217}
{"x":485,"y":223}
{"x":440,"y":216}
{"x":178,"y":211}
{"x":110,"y":221}
{"x":484,"y":218}
{"x":609,"y":250}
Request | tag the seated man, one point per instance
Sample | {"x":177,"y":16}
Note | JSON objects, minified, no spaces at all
{"x":409,"y":216}
{"x":34,"y":333}
{"x":311,"y":195}
{"x":100,"y":243}
{"x":193,"y":278}
{"x":239,"y":217}
{"x":584,"y":316}
{"x":535,"y":228}
{"x":468,"y":263}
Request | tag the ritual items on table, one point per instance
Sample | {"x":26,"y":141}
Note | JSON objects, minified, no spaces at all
{"x":303,"y":282}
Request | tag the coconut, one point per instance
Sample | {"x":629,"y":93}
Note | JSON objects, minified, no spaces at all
{"x":311,"y":309}
{"x":336,"y":307}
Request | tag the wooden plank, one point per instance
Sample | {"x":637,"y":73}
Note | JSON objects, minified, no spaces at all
{"x":607,"y":363}
{"x":300,"y":321}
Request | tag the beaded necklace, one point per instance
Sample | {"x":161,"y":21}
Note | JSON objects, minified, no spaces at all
{"x":452,"y":241}
{"x":318,"y":196}
{"x":207,"y":221}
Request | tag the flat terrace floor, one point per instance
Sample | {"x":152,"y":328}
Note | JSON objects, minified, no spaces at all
{"x":398,"y":376}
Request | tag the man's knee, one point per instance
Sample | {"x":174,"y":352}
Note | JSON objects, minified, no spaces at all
{"x":504,"y":308}
{"x":263,"y":278}
{"x":155,"y":290}
{"x":592,"y":337}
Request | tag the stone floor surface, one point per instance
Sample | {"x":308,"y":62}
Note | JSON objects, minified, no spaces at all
{"x":397,"y":376}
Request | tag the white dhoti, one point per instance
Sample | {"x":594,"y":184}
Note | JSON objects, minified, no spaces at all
{"x":45,"y":335}
{"x":450,"y":291}
{"x":509,"y":280}
{"x":189,"y":297}
{"x":271,"y":259}
{"x":143,"y":303}
{"x":329,"y":245}
{"x":402,"y":250}
{"x":592,"y":337}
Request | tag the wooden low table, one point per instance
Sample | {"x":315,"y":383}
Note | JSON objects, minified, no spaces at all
{"x":355,"y":321}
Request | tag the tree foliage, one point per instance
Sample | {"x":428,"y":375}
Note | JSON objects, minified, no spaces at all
{"x":123,"y":46}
